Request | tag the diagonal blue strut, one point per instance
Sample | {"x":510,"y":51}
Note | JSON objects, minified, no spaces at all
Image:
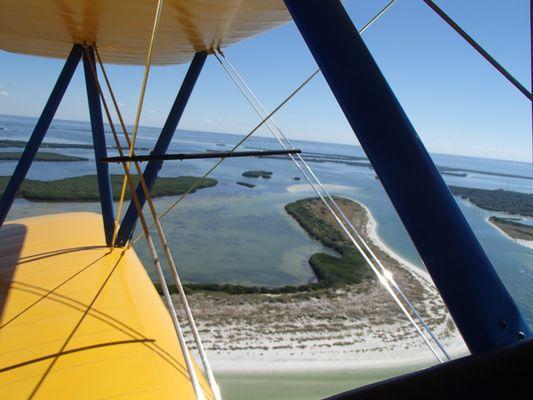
{"x":100,"y":147}
{"x":152,"y":168}
{"x":481,"y":306}
{"x":37,"y":136}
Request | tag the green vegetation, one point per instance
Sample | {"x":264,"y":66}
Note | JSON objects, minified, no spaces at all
{"x":512,"y":228}
{"x":41,"y":156}
{"x":498,"y":200}
{"x":257,"y":174}
{"x":331,"y":271}
{"x":350,"y":267}
{"x":248,"y":185}
{"x":85,"y":188}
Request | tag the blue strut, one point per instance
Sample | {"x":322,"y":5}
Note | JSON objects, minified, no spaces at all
{"x":37,"y":136}
{"x":100,"y":148}
{"x":152,"y":168}
{"x":483,"y":310}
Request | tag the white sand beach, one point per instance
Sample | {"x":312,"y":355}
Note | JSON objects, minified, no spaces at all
{"x":305,"y":187}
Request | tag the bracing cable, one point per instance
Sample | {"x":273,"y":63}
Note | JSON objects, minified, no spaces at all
{"x":272,"y":125}
{"x":506,"y":74}
{"x":188,"y":312}
{"x":383,"y":276}
{"x":195,"y":184}
{"x":164,"y":286}
{"x":148,"y":63}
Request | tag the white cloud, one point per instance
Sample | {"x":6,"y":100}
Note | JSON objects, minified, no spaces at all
{"x":4,"y":92}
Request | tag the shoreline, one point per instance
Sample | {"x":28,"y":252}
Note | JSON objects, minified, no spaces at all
{"x":305,"y":187}
{"x":523,"y":242}
{"x":372,"y":231}
{"x":348,"y":328}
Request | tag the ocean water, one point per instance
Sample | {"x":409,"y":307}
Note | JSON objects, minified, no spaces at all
{"x":234,"y":234}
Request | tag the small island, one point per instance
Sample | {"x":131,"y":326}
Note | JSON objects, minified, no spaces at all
{"x":41,"y":156}
{"x":85,"y":188}
{"x":257,"y":174}
{"x":514,"y":229}
{"x":246,"y":184}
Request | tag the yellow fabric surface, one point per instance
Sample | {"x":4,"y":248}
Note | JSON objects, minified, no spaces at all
{"x":121,"y":28}
{"x":124,"y":346}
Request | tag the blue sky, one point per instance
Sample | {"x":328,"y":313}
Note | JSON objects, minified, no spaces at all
{"x":458,"y":103}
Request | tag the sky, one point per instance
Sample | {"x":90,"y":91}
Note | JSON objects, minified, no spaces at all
{"x":458,"y":103}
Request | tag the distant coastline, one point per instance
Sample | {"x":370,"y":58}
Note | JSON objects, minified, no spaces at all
{"x":358,"y":161}
{"x":500,"y":200}
{"x":521,"y":233}
{"x":8,"y":143}
{"x":41,"y":156}
{"x":85,"y":188}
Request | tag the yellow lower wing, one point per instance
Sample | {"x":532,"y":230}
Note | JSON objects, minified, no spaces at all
{"x":79,"y":321}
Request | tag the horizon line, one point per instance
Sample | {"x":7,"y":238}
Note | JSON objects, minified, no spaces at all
{"x":528,"y":162}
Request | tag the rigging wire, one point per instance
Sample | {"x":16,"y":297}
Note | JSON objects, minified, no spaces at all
{"x":478,"y":48}
{"x":168,"y":300}
{"x":384,"y":276}
{"x":266,"y":120}
{"x":148,"y":63}
{"x":249,"y":95}
{"x":190,"y":318}
{"x":195,"y":184}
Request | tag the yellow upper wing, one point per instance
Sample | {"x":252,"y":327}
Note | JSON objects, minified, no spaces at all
{"x":121,"y":28}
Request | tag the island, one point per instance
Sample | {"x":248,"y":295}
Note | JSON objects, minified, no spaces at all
{"x":246,"y":184}
{"x":257,"y":174}
{"x":497,"y":200}
{"x":514,"y":229}
{"x":345,"y":318}
{"x":85,"y":188}
{"x":41,"y":156}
